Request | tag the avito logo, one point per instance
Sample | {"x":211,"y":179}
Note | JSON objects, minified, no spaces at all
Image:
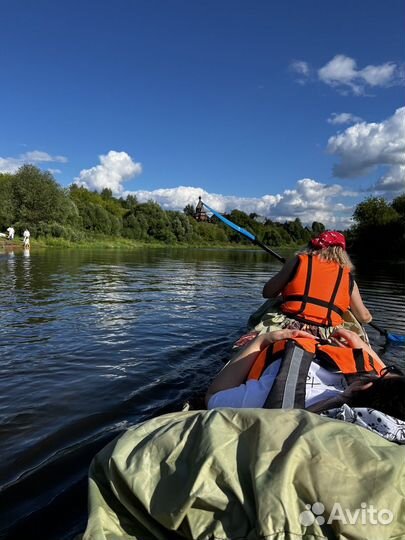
{"x":365,"y":515}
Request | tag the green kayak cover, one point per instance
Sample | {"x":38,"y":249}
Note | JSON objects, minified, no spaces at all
{"x":247,"y":474}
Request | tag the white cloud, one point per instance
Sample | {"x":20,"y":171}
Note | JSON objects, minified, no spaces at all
{"x":302,"y":70}
{"x":309,"y":200}
{"x":37,"y":156}
{"x":343,"y":118}
{"x":342,"y":72}
{"x":113,"y":170}
{"x":300,"y":67}
{"x":364,"y":146}
{"x":393,"y":183}
{"x":12,"y":164}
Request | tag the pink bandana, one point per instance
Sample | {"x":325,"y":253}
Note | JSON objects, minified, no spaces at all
{"x":329,"y":238}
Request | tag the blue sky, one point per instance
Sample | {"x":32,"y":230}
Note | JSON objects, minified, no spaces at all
{"x":288,"y":108}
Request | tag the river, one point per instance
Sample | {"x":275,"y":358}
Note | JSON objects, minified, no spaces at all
{"x":92,"y":341}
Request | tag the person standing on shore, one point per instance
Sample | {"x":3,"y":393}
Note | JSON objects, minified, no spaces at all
{"x":11,"y":233}
{"x":26,"y":238}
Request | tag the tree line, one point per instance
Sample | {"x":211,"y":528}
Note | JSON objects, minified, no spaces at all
{"x":31,"y":198}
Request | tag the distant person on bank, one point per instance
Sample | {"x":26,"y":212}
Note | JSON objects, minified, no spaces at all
{"x":317,"y":287}
{"x":26,"y":238}
{"x":11,"y":233}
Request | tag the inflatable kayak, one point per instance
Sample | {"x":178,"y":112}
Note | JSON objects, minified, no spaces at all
{"x":254,"y":474}
{"x":251,"y":474}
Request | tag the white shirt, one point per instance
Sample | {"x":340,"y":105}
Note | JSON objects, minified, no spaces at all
{"x":321,"y":384}
{"x":26,"y":233}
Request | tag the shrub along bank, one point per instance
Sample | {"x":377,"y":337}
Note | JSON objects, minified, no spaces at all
{"x":32,"y":199}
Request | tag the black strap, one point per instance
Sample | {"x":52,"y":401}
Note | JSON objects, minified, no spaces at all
{"x":311,"y":300}
{"x":289,"y":388}
{"x":304,"y":298}
{"x":333,"y":296}
{"x":359,"y":360}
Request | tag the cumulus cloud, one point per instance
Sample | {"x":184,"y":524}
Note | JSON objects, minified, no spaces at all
{"x":393,"y":183}
{"x":342,"y":72}
{"x":343,"y":118}
{"x":301,"y":69}
{"x":364,"y":146}
{"x":309,"y":200}
{"x":113,"y":170}
{"x":35,"y":157}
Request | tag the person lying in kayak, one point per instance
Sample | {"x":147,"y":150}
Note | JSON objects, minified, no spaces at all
{"x":317,"y":287}
{"x":293,"y":369}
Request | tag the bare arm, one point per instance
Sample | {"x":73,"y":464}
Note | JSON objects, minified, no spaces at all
{"x":347,"y":338}
{"x":359,"y":310}
{"x":237,"y":369}
{"x":277,"y":283}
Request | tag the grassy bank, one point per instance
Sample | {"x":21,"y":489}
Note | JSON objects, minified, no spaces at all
{"x":107,"y":242}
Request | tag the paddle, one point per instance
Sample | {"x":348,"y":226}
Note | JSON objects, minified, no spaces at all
{"x":244,"y":232}
{"x":393,"y":338}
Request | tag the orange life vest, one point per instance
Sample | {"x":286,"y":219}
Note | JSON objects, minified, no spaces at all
{"x":318,"y":293}
{"x":343,"y":359}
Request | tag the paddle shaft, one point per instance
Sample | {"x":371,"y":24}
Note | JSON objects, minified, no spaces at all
{"x":263,"y":246}
{"x":245,"y":233}
{"x":393,"y":338}
{"x":380,"y":330}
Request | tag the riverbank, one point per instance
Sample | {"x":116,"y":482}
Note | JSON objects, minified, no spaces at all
{"x":107,"y":242}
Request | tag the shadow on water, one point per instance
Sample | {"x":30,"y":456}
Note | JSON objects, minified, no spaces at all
{"x":92,"y":342}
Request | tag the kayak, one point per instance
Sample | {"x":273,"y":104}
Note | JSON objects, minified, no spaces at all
{"x":253,"y":474}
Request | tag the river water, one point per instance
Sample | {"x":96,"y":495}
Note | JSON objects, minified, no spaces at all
{"x":93,"y":341}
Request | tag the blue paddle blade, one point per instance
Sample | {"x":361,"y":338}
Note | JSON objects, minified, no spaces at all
{"x":396,"y":339}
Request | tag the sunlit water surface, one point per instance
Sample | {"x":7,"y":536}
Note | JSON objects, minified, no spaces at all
{"x":93,"y":341}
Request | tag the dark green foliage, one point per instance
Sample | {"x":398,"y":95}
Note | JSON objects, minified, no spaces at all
{"x":297,"y":232}
{"x":7,"y":212}
{"x":37,"y":197}
{"x":317,"y":228}
{"x":379,"y":228}
{"x":189,"y":210}
{"x":398,"y":205}
{"x":374,"y":211}
{"x":31,"y":198}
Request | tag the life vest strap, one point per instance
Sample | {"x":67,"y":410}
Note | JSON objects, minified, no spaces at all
{"x":312,"y":300}
{"x":334,"y":293}
{"x":289,"y":388}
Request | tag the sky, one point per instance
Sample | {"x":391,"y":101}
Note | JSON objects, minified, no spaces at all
{"x":283,"y":108}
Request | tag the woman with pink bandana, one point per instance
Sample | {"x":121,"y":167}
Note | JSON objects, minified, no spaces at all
{"x":317,"y":287}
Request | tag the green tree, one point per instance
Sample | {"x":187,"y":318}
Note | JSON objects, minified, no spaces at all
{"x":297,"y":232}
{"x":106,"y":194}
{"x":7,"y":211}
{"x":398,"y":204}
{"x":317,"y":228}
{"x":130,"y":202}
{"x":189,"y":210}
{"x":374,"y":211}
{"x":38,"y":198}
{"x":379,"y":227}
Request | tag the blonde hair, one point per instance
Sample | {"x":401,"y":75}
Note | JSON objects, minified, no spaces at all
{"x":332,"y":254}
